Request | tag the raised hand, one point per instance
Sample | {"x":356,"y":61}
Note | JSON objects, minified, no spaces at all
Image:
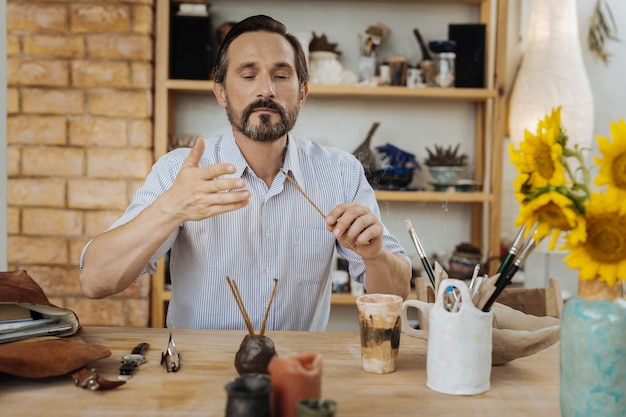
{"x":199,"y":192}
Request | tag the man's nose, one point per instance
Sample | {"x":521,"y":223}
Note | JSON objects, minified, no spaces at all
{"x":265,"y":87}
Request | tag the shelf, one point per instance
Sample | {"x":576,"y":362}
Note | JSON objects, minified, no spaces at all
{"x":488,"y":130}
{"x":353,"y":91}
{"x":349,"y":299}
{"x":342,"y":299}
{"x":436,"y":196}
{"x":475,"y":2}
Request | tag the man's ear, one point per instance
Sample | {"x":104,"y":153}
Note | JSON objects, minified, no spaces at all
{"x":220,"y":95}
{"x":304,"y":92}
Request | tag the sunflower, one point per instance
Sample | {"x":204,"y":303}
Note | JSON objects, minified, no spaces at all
{"x":521,"y":186}
{"x":553,"y":213}
{"x":556,"y":200}
{"x":613,"y":165}
{"x":601,"y":254}
{"x":540,"y":154}
{"x":552,"y":123}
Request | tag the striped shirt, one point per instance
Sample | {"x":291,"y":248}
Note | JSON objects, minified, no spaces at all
{"x":279,"y":234}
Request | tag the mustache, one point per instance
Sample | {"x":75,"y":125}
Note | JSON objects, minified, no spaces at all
{"x":263,"y":103}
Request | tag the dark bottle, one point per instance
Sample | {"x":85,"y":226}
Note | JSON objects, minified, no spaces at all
{"x":249,"y":396}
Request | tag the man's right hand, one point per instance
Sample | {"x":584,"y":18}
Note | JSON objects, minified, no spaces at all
{"x":115,"y":258}
{"x":199,"y":193}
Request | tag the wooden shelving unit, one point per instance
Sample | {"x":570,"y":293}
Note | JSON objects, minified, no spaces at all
{"x":489,"y":133}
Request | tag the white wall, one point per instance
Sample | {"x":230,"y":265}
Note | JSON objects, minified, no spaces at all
{"x":3,"y":140}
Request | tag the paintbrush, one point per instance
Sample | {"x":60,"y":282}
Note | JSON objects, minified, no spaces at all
{"x":420,"y":251}
{"x":303,"y":193}
{"x":510,"y":256}
{"x":505,"y":279}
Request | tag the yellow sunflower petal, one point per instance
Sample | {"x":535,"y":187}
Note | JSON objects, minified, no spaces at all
{"x":612,"y":165}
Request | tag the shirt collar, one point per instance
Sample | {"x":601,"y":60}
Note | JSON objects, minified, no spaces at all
{"x":230,"y":152}
{"x":291,"y":164}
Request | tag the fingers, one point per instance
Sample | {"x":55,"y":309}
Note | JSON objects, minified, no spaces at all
{"x":200,"y":192}
{"x":193,"y":159}
{"x":213,"y":172}
{"x":206,"y":173}
{"x":354,"y":225}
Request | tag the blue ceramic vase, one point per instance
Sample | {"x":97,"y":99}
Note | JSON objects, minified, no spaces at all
{"x":593,"y":358}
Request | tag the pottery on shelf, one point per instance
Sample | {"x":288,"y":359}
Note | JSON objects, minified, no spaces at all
{"x":365,"y":155}
{"x":325,"y":68}
{"x":395,"y":177}
{"x":445,"y":174}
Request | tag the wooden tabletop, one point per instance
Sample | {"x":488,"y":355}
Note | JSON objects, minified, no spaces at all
{"x":525,"y":387}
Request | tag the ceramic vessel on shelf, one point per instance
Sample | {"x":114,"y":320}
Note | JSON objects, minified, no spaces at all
{"x":445,"y":174}
{"x":395,"y":177}
{"x":325,"y":68}
{"x":593,"y":352}
{"x":467,"y":185}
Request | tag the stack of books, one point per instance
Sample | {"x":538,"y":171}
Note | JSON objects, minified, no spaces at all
{"x":18,"y":323}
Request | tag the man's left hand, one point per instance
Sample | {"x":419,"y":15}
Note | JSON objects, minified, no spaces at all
{"x":356,"y":228}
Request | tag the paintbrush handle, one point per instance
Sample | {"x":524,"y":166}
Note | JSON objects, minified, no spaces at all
{"x":506,"y":262}
{"x":500,"y":286}
{"x":429,"y":270}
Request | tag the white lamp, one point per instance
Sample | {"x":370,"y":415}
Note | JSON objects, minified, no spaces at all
{"x":552,"y":74}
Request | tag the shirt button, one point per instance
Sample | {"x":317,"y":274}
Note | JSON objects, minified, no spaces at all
{"x":268,"y":234}
{"x":268,"y":270}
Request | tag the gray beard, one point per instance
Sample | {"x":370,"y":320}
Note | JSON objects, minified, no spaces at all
{"x":265,"y":131}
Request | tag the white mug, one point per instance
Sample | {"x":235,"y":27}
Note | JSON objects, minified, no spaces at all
{"x":414,"y":78}
{"x":458,"y":360}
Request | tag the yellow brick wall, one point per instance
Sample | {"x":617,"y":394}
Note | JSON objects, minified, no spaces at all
{"x":79,"y":100}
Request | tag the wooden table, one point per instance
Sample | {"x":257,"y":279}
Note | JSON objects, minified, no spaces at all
{"x":525,"y":387}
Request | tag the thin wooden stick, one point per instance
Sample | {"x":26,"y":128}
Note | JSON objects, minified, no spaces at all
{"x":244,"y":313}
{"x":303,"y":193}
{"x":267,"y":310}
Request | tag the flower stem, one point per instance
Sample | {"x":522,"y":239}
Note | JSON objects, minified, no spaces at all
{"x":582,"y":166}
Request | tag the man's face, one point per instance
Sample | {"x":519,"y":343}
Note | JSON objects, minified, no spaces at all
{"x":261,"y":91}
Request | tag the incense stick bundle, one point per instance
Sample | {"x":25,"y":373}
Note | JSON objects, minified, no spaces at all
{"x":242,"y":308}
{"x":267,"y":310}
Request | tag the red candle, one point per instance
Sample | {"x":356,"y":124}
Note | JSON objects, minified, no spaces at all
{"x":293,"y":379}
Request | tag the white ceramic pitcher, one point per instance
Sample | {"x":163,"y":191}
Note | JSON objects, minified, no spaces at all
{"x":458,"y":360}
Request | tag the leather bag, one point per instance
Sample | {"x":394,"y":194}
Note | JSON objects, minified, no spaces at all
{"x":45,"y":356}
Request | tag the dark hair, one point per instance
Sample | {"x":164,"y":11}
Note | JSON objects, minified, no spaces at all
{"x":259,"y":23}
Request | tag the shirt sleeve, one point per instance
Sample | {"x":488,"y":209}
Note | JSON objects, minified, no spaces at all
{"x":160,"y":178}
